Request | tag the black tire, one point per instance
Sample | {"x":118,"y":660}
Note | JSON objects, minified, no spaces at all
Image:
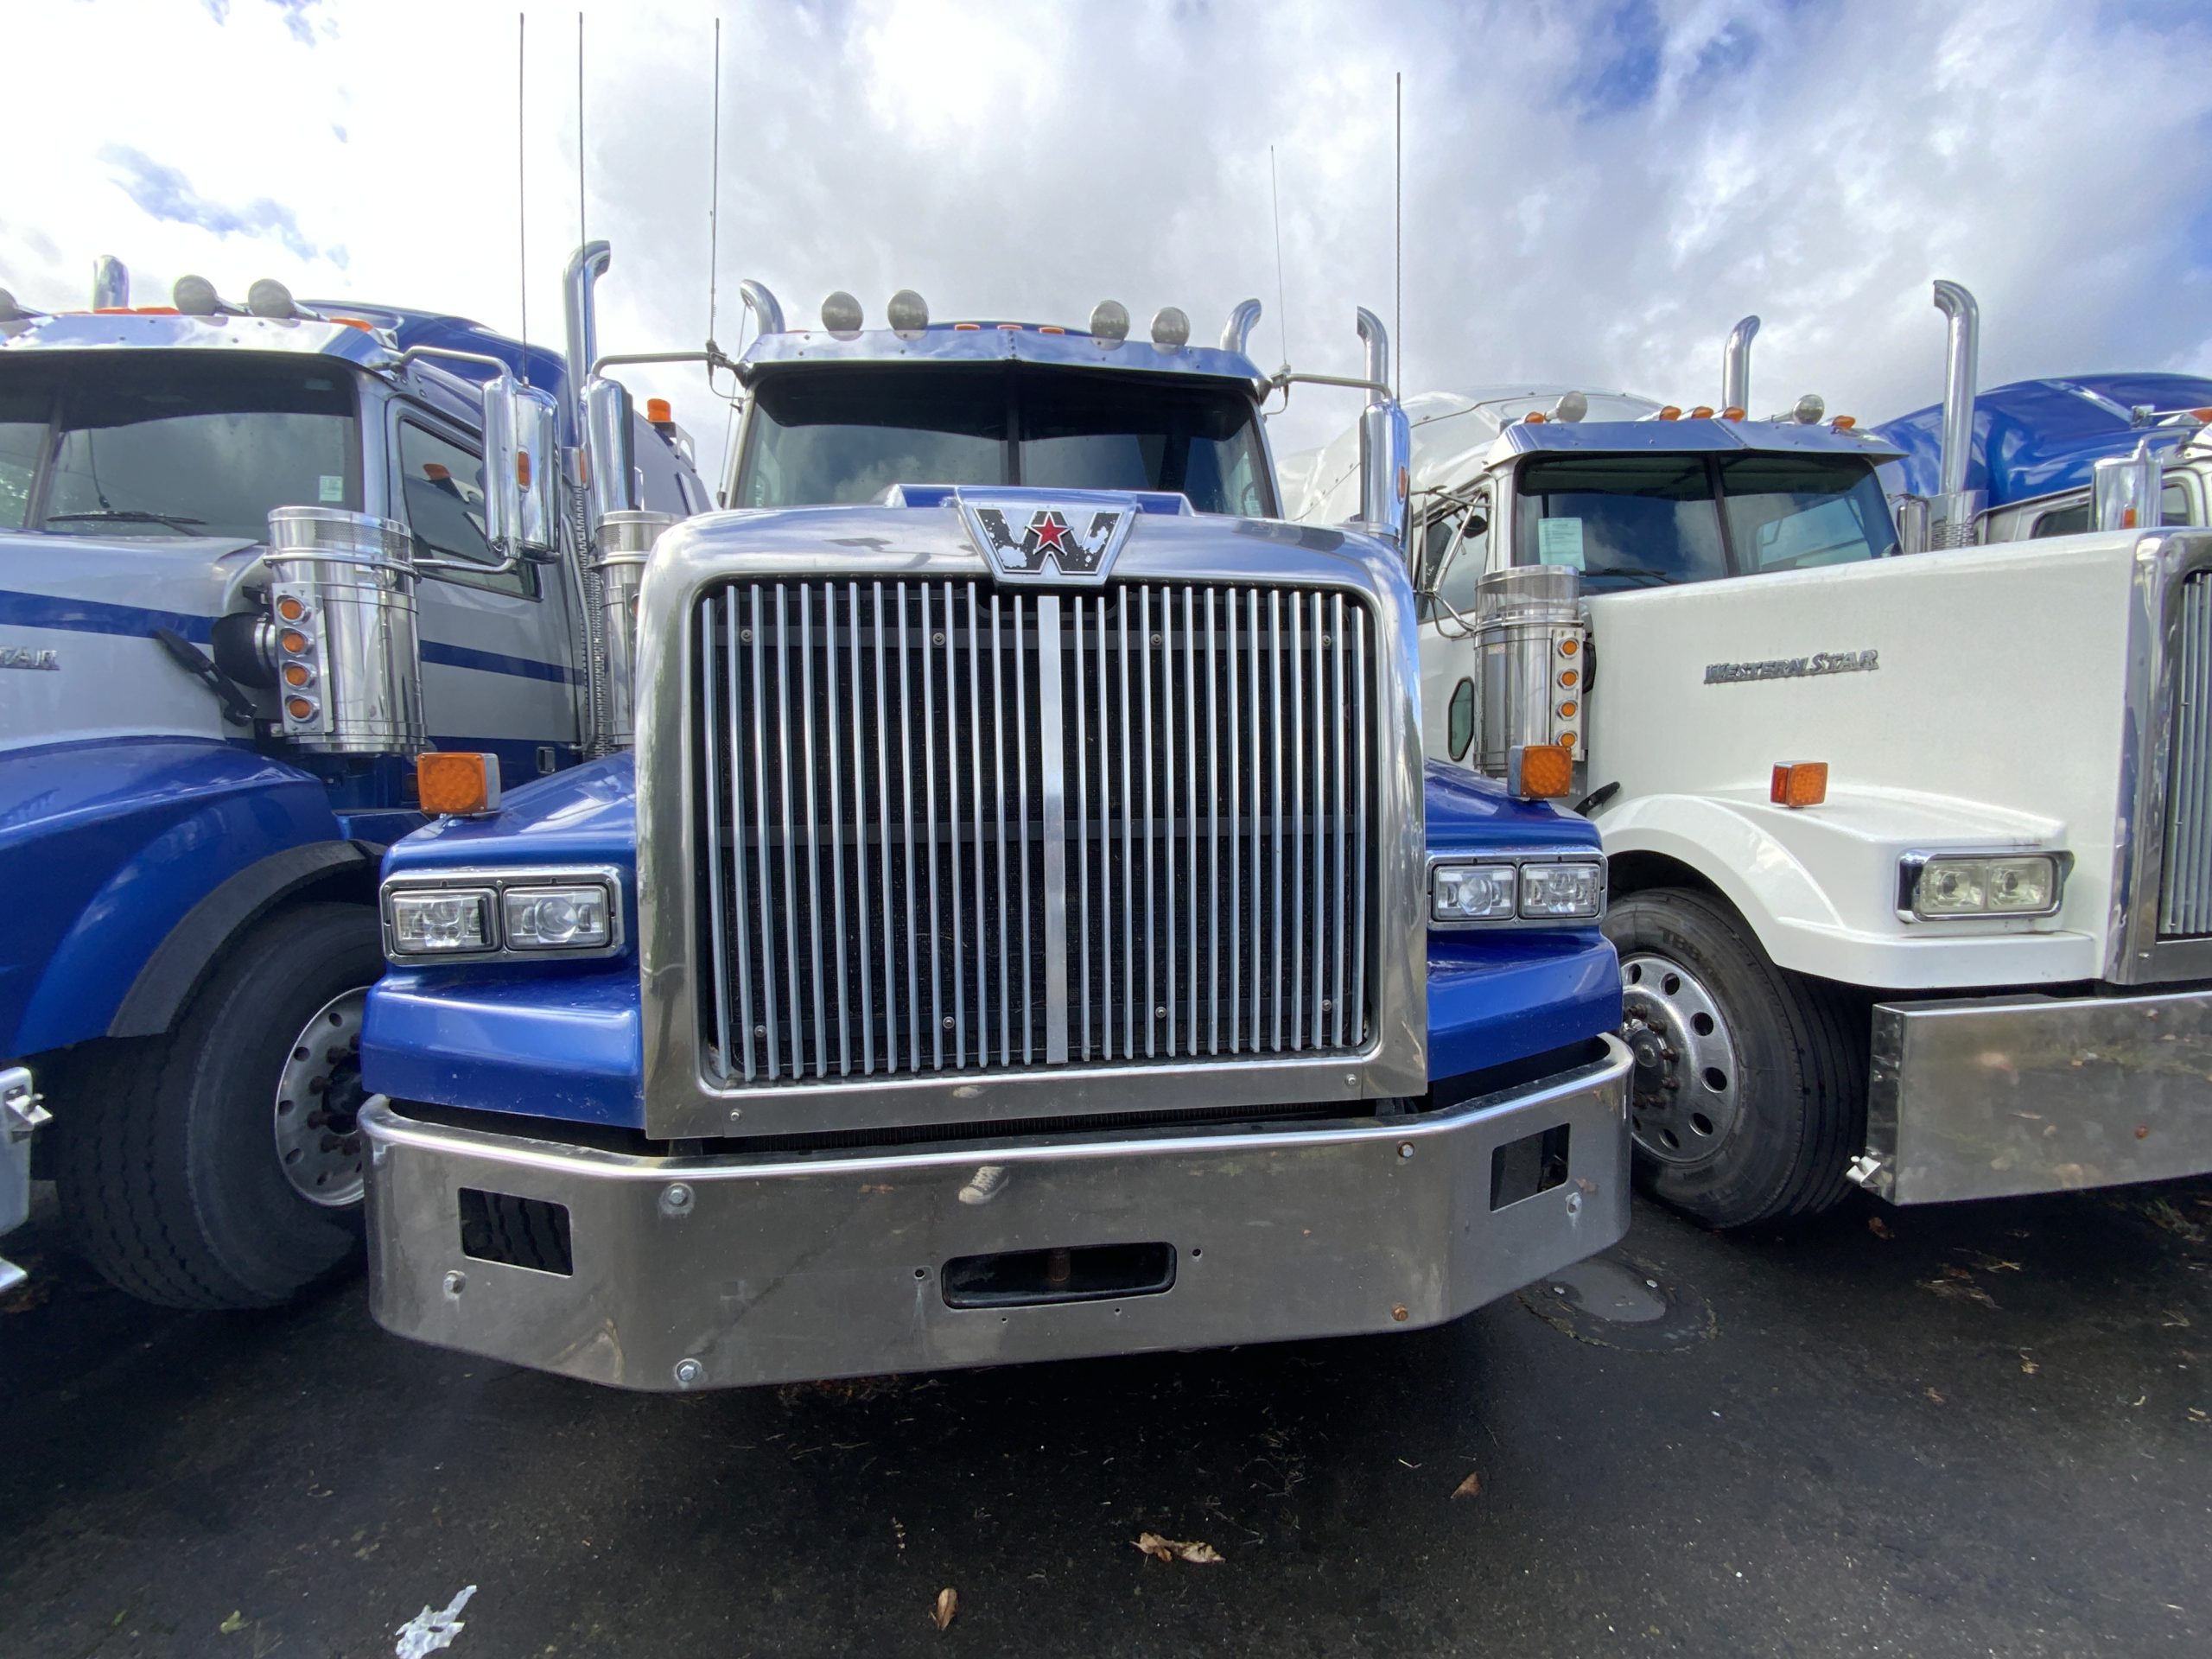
{"x":1796,"y":1107}
{"x":166,"y":1161}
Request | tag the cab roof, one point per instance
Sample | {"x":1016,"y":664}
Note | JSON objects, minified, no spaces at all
{"x":995,"y":341}
{"x":2038,"y":437}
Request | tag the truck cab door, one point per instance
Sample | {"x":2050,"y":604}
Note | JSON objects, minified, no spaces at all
{"x":1455,"y":549}
{"x":499,"y":667}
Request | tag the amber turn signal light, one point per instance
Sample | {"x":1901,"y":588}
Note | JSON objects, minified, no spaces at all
{"x":658,"y":412}
{"x":1541,"y":772}
{"x":1802,"y":782}
{"x":457,"y":783}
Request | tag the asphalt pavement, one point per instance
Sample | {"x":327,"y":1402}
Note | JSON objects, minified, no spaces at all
{"x":1976,"y":1429}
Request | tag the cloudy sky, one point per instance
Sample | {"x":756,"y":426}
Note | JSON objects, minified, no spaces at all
{"x":1594,"y":189}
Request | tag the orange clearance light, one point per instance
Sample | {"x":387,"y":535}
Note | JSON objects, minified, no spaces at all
{"x":1568,"y":710}
{"x":1568,"y":647}
{"x":1050,"y":328}
{"x":1535,"y":418}
{"x":1566,"y":740}
{"x":522,"y":468}
{"x":1568,"y":676}
{"x":1702,"y":412}
{"x":457,"y":783}
{"x":296,"y":675}
{"x":659,"y":412}
{"x":290,"y":609}
{"x":1843,"y":423}
{"x":2200,"y":414}
{"x":299,"y":708}
{"x":1541,"y":772}
{"x":967,"y":327}
{"x":293,"y":641}
{"x":1670,"y":413}
{"x":1802,"y":782}
{"x":1732,"y":413}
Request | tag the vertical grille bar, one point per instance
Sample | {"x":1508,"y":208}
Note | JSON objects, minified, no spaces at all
{"x":760,"y":842}
{"x":741,"y":909}
{"x":929,"y":824}
{"x":1128,"y":859}
{"x":1342,"y":825}
{"x":790,"y":836}
{"x":952,"y":806}
{"x":860,"y":838}
{"x":1235,"y":836}
{"x":1318,"y":944}
{"x":1078,"y":744}
{"x":998,"y":795}
{"x":1151,"y":926}
{"x":1021,"y":812}
{"x":1274,"y":699}
{"x":975,"y":801}
{"x":1213,"y":831}
{"x":1359,"y":823}
{"x":1172,"y":876}
{"x":2185,"y":882}
{"x":890,"y":957}
{"x":1051,"y":755}
{"x":710,"y":728}
{"x":906,"y":823}
{"x":807,"y":710}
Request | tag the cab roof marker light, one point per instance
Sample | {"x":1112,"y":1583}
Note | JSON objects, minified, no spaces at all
{"x":1702,"y":412}
{"x":908,"y":312}
{"x":1670,"y":413}
{"x":1050,"y":328}
{"x":967,"y":327}
{"x":1733,"y":412}
{"x":1843,"y":423}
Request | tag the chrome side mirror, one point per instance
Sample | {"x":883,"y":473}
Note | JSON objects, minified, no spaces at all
{"x":522,"y":449}
{"x":2126,"y":490}
{"x":610,"y":450}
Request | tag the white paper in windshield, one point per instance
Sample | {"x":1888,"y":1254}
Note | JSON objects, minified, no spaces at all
{"x":333,"y":485}
{"x":1559,"y":541}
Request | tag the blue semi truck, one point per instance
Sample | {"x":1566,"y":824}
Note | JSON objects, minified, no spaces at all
{"x":251,"y":567}
{"x":1026,"y":927}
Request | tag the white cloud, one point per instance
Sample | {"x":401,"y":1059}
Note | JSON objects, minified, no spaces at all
{"x":1591,"y":196}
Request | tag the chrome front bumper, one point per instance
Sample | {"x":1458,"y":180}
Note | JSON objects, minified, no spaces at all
{"x":1979,"y":1097}
{"x":717,"y":1272}
{"x":20,"y":1114}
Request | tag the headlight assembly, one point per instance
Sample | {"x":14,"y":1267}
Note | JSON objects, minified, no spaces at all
{"x":1939,"y":886}
{"x":502,"y":914}
{"x":1528,"y":888}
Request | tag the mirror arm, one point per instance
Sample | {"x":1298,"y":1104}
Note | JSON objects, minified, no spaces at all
{"x":713,"y":357}
{"x":1285,"y":378}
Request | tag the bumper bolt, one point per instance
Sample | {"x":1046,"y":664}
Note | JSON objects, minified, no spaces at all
{"x":688,"y":1371}
{"x":675,"y":1200}
{"x":456,"y":1281}
{"x":1399,"y":1314}
{"x":1405,"y":1148}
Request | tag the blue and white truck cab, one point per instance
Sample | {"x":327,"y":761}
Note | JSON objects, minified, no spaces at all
{"x":1026,"y":927}
{"x":1906,"y":852}
{"x":251,"y":564}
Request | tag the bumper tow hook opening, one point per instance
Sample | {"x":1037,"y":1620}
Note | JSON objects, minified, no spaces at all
{"x":1089,"y":1272}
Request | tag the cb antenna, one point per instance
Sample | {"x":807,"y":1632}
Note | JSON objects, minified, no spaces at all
{"x":583,"y":227}
{"x":522,"y":195}
{"x":1398,"y":241}
{"x":1282,"y":310}
{"x":714,"y":189}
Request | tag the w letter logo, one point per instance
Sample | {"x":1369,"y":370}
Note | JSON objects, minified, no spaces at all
{"x":1063,"y":539}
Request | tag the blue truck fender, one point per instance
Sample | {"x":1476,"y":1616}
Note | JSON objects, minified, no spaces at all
{"x":126,"y":859}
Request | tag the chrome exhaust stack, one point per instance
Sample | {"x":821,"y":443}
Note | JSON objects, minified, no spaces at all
{"x":1955,"y":510}
{"x":1736,"y":365}
{"x":1386,"y":441}
{"x":110,"y":284}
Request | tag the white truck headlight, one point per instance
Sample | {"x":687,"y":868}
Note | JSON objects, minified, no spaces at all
{"x":1933,"y":888}
{"x":1517,"y":888}
{"x":556,"y":918}
{"x":440,"y":924}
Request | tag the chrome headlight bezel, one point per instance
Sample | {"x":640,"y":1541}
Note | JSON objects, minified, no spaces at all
{"x":1518,"y":862}
{"x":495,"y":887}
{"x":1913,"y":867}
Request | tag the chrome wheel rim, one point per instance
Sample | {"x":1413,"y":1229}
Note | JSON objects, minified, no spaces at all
{"x":1682,"y":1093}
{"x":319,"y":1099}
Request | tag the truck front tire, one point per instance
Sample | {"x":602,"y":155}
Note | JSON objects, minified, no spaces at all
{"x":1748,"y":1096}
{"x":172,"y":1163}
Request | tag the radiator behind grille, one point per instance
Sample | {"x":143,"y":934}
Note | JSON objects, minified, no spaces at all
{"x":2185,"y":882}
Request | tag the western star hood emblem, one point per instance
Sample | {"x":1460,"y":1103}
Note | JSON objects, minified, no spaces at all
{"x":33,"y":657}
{"x":1066,"y":538}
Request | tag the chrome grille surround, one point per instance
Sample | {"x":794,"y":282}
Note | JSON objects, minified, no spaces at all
{"x":2162,"y":885}
{"x":1035,"y":1018}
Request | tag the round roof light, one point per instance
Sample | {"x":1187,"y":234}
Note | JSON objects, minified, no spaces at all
{"x":1572,"y":407}
{"x":195,"y":296}
{"x":840,"y":314}
{"x":269,"y":298}
{"x":1809,"y":409}
{"x":1109,"y":320}
{"x":909,"y":313}
{"x":1171,"y":330}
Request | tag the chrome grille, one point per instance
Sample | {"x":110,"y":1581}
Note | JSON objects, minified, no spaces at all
{"x":947,"y":828}
{"x":2185,"y":882}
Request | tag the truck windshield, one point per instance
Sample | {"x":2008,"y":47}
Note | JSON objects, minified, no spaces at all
{"x":1644,"y":521}
{"x":129,"y":443}
{"x":840,"y":436}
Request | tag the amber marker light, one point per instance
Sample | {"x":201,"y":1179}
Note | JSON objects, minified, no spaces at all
{"x":290,"y":609}
{"x":659,"y":411}
{"x":1670,"y":413}
{"x":457,"y":783}
{"x":296,"y":675}
{"x":1541,"y":772}
{"x":293,"y":641}
{"x":1802,"y":782}
{"x":1568,"y":647}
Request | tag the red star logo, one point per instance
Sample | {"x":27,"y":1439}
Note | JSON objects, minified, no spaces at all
{"x":1051,"y":533}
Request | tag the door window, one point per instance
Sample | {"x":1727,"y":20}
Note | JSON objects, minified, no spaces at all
{"x":442,"y":485}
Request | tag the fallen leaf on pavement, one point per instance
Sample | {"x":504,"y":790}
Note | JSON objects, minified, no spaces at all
{"x":1932,"y":1395}
{"x":2028,"y":1367}
{"x":1960,"y":1284}
{"x":1175,"y":1549}
{"x":948,"y":1604}
{"x":1470,"y":1487}
{"x":234,"y":1624}
{"x":1879,"y":1228}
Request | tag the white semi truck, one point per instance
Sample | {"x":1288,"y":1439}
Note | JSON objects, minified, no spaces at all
{"x":1912,"y":855}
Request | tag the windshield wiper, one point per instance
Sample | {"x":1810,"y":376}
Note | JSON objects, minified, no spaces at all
{"x":127,"y":516}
